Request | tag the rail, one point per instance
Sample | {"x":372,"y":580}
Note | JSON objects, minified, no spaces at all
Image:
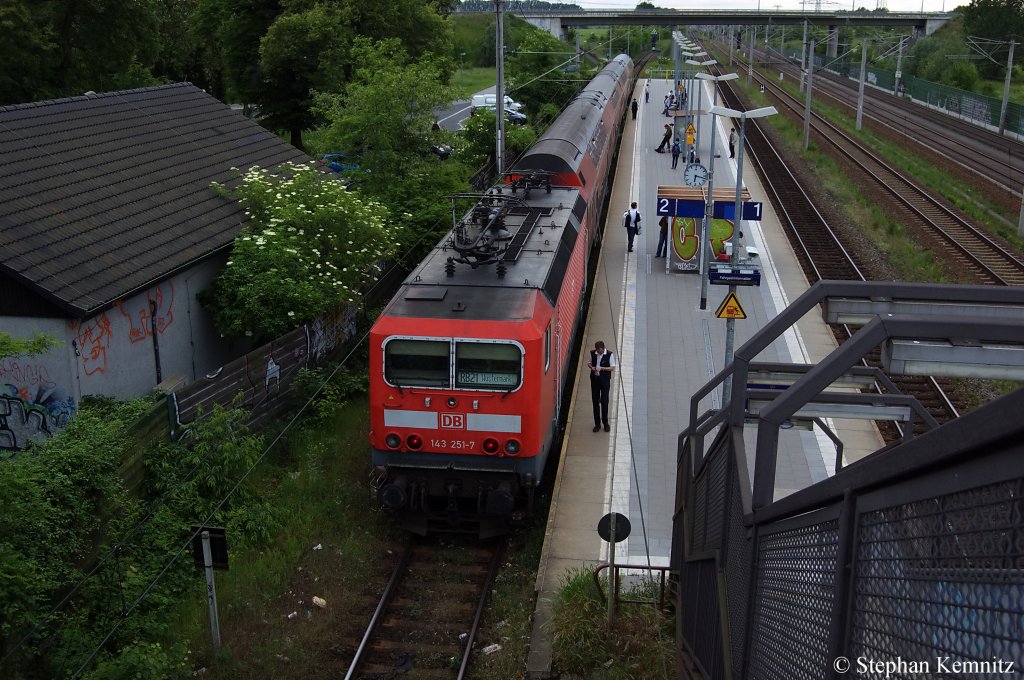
{"x":820,"y":251}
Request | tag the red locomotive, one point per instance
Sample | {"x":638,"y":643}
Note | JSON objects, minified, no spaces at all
{"x":469,"y":360}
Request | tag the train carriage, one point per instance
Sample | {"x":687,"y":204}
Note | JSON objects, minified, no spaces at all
{"x":469,"y":359}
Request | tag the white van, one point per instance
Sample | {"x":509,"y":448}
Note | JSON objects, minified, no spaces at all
{"x":490,"y":101}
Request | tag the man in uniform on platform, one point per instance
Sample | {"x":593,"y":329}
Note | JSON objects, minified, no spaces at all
{"x":602,"y":365}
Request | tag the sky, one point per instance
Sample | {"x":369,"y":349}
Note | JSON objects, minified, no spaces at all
{"x":828,"y":5}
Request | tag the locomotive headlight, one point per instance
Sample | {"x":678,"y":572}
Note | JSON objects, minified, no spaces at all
{"x":393,"y":441}
{"x":414,"y":442}
{"x":490,"y":446}
{"x":452,"y":402}
{"x":512,"y":447}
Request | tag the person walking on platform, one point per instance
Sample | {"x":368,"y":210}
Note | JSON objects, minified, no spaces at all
{"x":666,"y":140}
{"x":662,"y":237}
{"x":631,"y":221}
{"x":732,"y":142}
{"x":634,"y":106}
{"x":602,"y":365}
{"x":676,"y":150}
{"x":668,"y":103}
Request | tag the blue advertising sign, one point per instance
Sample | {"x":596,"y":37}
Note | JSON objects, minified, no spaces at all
{"x":723,"y":210}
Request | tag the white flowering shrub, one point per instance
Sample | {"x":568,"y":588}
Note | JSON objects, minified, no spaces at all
{"x":310,"y":245}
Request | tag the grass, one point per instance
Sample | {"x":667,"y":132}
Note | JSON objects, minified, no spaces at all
{"x":317,"y":485}
{"x":471,"y":80}
{"x":317,"y":488}
{"x":639,"y":644}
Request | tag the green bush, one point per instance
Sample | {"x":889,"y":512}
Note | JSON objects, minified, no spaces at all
{"x":83,"y":560}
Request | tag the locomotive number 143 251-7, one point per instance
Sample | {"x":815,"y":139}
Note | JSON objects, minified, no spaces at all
{"x":452,"y":444}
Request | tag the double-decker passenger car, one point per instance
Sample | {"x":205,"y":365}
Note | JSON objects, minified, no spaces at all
{"x":469,"y":360}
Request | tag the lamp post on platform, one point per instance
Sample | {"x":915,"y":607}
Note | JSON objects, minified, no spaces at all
{"x":700,"y":95}
{"x":709,"y":204}
{"x":730,"y":324}
{"x":690,"y":59}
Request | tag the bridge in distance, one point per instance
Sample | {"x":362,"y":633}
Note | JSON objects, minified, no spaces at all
{"x":557,"y":21}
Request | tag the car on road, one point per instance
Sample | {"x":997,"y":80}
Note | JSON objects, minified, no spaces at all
{"x":490,"y":101}
{"x":514,"y":117}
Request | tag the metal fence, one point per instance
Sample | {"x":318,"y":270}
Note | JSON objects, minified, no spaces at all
{"x":916,"y":553}
{"x":913,"y":555}
{"x":978,"y":108}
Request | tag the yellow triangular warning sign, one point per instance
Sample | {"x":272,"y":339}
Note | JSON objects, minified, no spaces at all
{"x":731,"y":308}
{"x":690,"y":130}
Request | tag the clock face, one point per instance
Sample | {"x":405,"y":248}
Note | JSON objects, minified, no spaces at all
{"x":695,"y":175}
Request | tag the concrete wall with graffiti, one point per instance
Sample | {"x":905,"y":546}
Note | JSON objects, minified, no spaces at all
{"x":114,"y":353}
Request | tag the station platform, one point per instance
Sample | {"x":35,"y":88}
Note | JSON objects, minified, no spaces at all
{"x":647,"y":311}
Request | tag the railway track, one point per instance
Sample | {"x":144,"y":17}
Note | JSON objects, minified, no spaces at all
{"x":977,"y":256}
{"x":429,"y":613}
{"x":821,"y":253}
{"x":998,"y":159}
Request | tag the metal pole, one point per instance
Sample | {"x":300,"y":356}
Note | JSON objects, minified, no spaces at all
{"x":700,"y":99}
{"x":899,"y":68}
{"x":730,"y":324}
{"x":611,"y":570}
{"x":803,"y":57}
{"x":675,"y":56}
{"x":156,"y":342}
{"x":1020,"y":220}
{"x":709,"y":210}
{"x":1006,"y":89}
{"x":211,"y":591}
{"x":500,"y":89}
{"x":732,"y":42}
{"x":863,"y":75}
{"x":807,"y":104}
{"x":750,"y":61}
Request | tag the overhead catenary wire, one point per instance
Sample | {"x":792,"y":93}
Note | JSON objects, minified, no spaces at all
{"x":617,"y":331}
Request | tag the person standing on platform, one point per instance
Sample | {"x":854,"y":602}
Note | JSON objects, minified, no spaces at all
{"x":631,"y":221}
{"x":602,"y":364}
{"x":647,"y":92}
{"x":634,"y":106}
{"x":666,"y":140}
{"x":668,"y":102}
{"x":676,"y":150}
{"x":732,"y":142}
{"x":662,"y":237}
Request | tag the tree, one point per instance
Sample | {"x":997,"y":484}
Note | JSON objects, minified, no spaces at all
{"x":387,"y":111}
{"x":386,"y":120}
{"x":228,"y":33}
{"x":1000,"y":20}
{"x":481,"y":138}
{"x":535,"y":76}
{"x":88,"y":58}
{"x":26,"y":43}
{"x":12,"y":347}
{"x":299,"y":53}
{"x":309,"y":247}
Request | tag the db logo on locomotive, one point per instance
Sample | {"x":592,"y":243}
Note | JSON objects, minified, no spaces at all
{"x":453,"y":421}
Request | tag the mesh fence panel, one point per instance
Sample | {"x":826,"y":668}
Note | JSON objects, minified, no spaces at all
{"x":718,"y":467}
{"x":793,"y":603}
{"x":738,"y":558}
{"x":701,"y":625}
{"x":943,"y":577}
